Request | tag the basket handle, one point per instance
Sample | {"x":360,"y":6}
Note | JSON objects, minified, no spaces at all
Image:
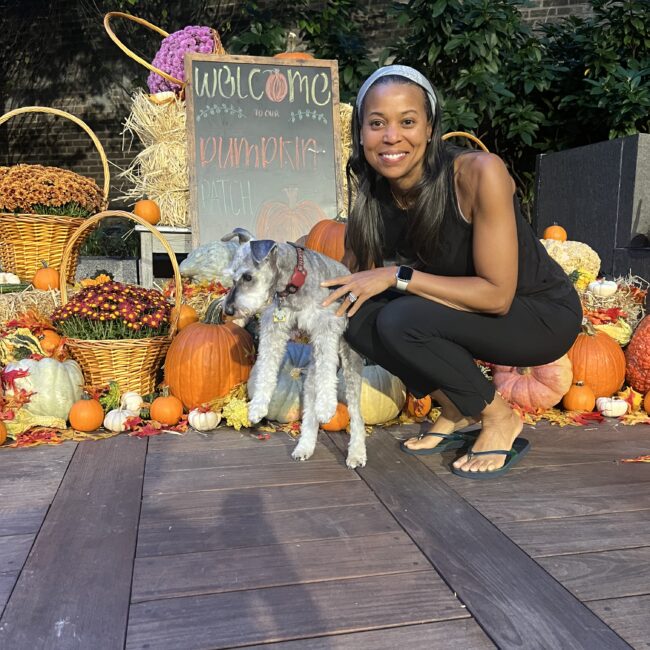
{"x":218,"y":47}
{"x":89,"y":223}
{"x":78,"y":122}
{"x":469,"y":136}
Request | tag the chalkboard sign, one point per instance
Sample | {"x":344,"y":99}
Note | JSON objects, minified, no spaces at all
{"x":264,"y":145}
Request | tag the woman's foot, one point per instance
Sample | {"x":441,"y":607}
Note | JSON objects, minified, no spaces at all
{"x":501,"y":426}
{"x":449,"y":421}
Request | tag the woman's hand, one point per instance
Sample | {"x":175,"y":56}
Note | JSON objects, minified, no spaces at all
{"x":362,"y":285}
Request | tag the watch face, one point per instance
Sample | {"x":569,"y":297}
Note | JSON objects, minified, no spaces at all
{"x":405,"y":273}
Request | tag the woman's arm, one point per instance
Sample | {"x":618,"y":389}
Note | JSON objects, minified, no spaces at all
{"x":485,"y":190}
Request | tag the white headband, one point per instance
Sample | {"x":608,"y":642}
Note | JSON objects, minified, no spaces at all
{"x":400,"y":71}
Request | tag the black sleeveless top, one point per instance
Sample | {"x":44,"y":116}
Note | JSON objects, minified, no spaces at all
{"x":539,"y":274}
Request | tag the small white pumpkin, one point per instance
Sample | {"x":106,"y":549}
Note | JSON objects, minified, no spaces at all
{"x":131,"y":401}
{"x":203,"y":420}
{"x":9,"y":278}
{"x":115,"y":420}
{"x":603,"y":288}
{"x":612,"y":407}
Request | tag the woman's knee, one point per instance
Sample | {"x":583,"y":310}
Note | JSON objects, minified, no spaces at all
{"x":402,"y":323}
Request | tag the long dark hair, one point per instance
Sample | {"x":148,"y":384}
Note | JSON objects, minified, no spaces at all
{"x":428,"y":198}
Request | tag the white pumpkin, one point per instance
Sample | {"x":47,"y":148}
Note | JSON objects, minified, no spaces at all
{"x":131,"y":401}
{"x":612,"y":407}
{"x":603,"y":288}
{"x":56,"y":385}
{"x":115,"y":420}
{"x":9,"y":278}
{"x":203,"y":420}
{"x":382,"y":395}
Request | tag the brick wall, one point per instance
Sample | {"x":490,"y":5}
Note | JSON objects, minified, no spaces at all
{"x":94,"y":81}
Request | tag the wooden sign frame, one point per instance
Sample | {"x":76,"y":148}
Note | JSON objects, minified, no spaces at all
{"x":191,"y":58}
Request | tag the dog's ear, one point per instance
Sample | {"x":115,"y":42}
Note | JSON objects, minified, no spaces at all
{"x":241,"y":234}
{"x":261,"y":249}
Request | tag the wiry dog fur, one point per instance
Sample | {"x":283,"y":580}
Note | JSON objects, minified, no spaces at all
{"x":259,"y":270}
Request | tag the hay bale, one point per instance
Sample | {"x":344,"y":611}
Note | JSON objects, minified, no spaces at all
{"x":42,"y":302}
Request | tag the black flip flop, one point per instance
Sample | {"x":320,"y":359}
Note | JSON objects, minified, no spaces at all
{"x":520,"y":448}
{"x":450,"y":441}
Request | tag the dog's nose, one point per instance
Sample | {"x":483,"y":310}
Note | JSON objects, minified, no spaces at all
{"x":229,"y":309}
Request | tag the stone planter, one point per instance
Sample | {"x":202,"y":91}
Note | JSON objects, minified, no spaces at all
{"x":123,"y":270}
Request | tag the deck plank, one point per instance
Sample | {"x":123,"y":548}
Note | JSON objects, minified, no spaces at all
{"x":521,"y":606}
{"x":164,"y":537}
{"x":630,"y":617}
{"x":15,"y":549}
{"x":17,"y":520}
{"x":223,"y":438}
{"x":230,"y":478}
{"x":74,"y":589}
{"x":618,"y":530}
{"x":170,"y":460}
{"x":214,"y":503}
{"x":611,"y":574}
{"x":236,"y":569}
{"x":451,"y":635}
{"x":282,"y":613}
{"x":7,"y":582}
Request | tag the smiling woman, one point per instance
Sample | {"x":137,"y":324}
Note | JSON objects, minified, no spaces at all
{"x":445,"y":271}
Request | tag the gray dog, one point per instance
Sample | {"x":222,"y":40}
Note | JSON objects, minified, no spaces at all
{"x":282,"y":282}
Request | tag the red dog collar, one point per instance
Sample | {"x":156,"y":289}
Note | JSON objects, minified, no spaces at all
{"x":297,"y":278}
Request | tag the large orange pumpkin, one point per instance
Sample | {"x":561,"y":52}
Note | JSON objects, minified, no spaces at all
{"x":287,"y":221}
{"x":3,"y":432}
{"x":206,"y":361}
{"x":646,"y":403}
{"x":536,"y":386}
{"x":328,"y":237}
{"x":598,"y":361}
{"x":637,"y":356}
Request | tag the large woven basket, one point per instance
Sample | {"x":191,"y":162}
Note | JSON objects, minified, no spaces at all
{"x":26,"y":240}
{"x":132,"y":363}
{"x":218,"y":47}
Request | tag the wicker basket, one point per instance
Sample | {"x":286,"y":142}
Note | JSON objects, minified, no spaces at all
{"x":132,"y":363}
{"x":28,"y":239}
{"x":218,"y":47}
{"x":469,"y":136}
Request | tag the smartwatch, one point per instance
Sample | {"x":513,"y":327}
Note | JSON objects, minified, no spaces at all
{"x":403,"y":277}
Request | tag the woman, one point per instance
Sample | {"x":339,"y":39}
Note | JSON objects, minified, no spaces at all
{"x":445,"y":271}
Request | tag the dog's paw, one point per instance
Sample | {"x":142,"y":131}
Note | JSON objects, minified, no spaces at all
{"x":302,"y":452}
{"x":256,"y":411}
{"x":356,"y":458}
{"x":324,"y":412}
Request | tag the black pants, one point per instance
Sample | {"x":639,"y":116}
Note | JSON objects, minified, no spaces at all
{"x":430,"y":346}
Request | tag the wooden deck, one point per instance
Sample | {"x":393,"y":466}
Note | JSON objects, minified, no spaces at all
{"x":222,"y":541}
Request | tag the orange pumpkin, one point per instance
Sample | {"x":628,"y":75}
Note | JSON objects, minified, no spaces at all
{"x":646,"y":403}
{"x":206,"y":361}
{"x":167,"y":410}
{"x":287,"y":221}
{"x":579,"y":397}
{"x":417,"y":407}
{"x":637,"y":356}
{"x":598,"y":361}
{"x":86,"y":415}
{"x":555,"y":232}
{"x":3,"y":432}
{"x":46,"y":278}
{"x":49,"y":341}
{"x":187,"y":315}
{"x":292,"y":41}
{"x":328,"y":237}
{"x":147,"y":210}
{"x":340,"y":420}
{"x":535,"y":387}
